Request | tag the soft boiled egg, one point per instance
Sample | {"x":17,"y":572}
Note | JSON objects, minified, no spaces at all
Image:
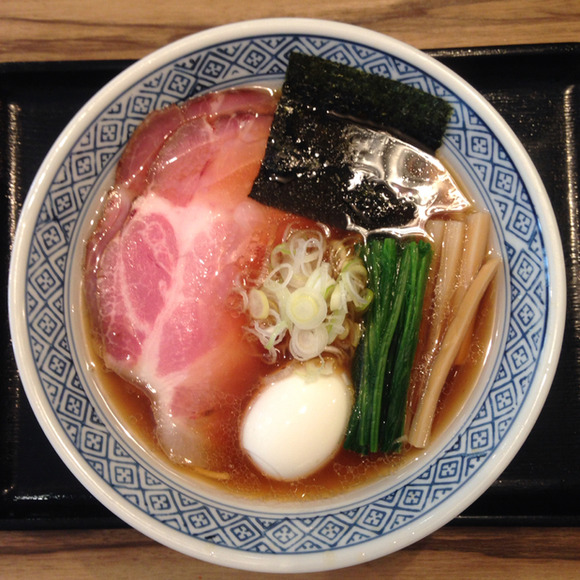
{"x":296,"y":422}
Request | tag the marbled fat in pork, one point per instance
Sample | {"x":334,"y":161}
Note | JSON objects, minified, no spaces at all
{"x":177,"y":230}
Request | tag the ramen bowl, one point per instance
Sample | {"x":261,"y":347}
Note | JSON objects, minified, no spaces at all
{"x":199,"y":519}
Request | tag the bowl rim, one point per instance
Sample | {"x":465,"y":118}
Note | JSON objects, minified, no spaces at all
{"x":505,"y":451}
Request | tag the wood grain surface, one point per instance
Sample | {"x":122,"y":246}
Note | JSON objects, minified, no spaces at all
{"x":453,"y":552}
{"x":89,"y":29}
{"x":51,"y":30}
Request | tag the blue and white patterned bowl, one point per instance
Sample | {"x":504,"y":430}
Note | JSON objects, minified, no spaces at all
{"x":386,"y":515}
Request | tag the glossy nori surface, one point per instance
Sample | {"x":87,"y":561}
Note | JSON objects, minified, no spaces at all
{"x":323,"y":159}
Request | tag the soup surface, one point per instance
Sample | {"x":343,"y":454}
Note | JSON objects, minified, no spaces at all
{"x":177,"y":235}
{"x":347,"y":470}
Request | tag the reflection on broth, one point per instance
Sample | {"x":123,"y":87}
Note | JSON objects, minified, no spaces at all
{"x":255,"y":345}
{"x":346,"y":471}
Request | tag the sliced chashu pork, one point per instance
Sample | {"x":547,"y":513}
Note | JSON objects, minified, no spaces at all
{"x":176,"y":232}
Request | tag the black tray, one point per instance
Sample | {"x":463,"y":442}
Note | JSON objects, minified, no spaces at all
{"x":535,"y":88}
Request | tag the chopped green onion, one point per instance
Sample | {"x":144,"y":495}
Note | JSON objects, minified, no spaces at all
{"x":310,"y":295}
{"x":306,"y":308}
{"x":258,"y":304}
{"x":306,"y":344}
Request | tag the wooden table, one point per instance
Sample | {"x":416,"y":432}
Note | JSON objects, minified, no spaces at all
{"x":41,"y":30}
{"x":84,"y":29}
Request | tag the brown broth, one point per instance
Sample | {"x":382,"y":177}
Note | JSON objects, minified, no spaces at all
{"x":345,"y":472}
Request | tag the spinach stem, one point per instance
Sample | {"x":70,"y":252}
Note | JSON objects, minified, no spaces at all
{"x":397,"y":276}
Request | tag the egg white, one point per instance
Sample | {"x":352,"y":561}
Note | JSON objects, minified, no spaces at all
{"x":296,"y":423}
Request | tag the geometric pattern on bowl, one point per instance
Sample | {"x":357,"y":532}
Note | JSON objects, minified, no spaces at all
{"x":258,"y":60}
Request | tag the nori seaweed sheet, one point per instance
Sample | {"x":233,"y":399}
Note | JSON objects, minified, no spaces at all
{"x":350,"y":92}
{"x":309,"y":168}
